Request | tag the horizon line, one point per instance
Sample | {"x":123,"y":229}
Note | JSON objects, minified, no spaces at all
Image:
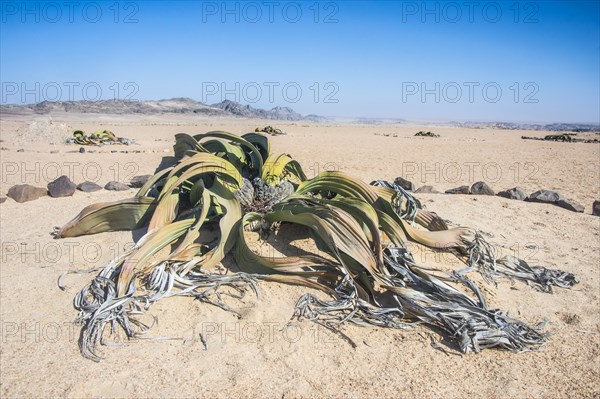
{"x":393,"y":118}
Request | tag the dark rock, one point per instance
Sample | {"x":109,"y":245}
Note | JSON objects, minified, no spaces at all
{"x":61,"y":187}
{"x":427,"y":190}
{"x":81,"y":150}
{"x":481,"y":188}
{"x":54,"y":152}
{"x":2,"y":200}
{"x":405,"y":184}
{"x":545,"y":196}
{"x":458,"y":190}
{"x":596,"y":208}
{"x":515,"y":193}
{"x":26,"y":192}
{"x":88,"y":187}
{"x":116,"y":186}
{"x":139,"y":181}
{"x":570,"y":205}
{"x":20,"y":150}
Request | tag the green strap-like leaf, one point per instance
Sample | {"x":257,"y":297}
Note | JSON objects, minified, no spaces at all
{"x":127,"y":214}
{"x":279,"y":167}
{"x":256,"y":156}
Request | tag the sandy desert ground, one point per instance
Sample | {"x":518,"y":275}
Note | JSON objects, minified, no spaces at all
{"x":259,"y":355}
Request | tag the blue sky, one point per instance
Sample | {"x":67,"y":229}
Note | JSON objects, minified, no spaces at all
{"x":481,"y":60}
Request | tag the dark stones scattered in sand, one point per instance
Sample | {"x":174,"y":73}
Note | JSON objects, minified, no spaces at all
{"x":61,"y":187}
{"x":481,"y":188}
{"x":459,"y":190}
{"x":88,"y":187}
{"x":26,"y":192}
{"x":405,"y":184}
{"x":544,"y":196}
{"x":139,"y":181}
{"x":570,"y":205}
{"x":555,"y":198}
{"x":427,"y":190}
{"x":515,"y":193}
{"x":116,"y":186}
{"x":596,"y":208}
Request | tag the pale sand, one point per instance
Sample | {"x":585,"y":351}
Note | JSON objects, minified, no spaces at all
{"x":257,"y":356}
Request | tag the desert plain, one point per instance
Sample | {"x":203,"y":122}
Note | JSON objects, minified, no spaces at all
{"x":260,"y":354}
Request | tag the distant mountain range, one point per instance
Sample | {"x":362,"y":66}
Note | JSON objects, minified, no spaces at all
{"x":232,"y":108}
{"x":553,"y":127}
{"x":173,"y":105}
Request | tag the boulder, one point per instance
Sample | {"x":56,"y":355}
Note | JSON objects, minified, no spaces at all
{"x":405,"y":184}
{"x":570,"y":205}
{"x":458,"y":190}
{"x":81,"y":150}
{"x":139,"y":181}
{"x":427,"y":190}
{"x":25,"y":192}
{"x":116,"y":186}
{"x":481,"y":188}
{"x":61,"y":187}
{"x":545,"y":196}
{"x":2,"y":200}
{"x":515,"y":193}
{"x":88,"y":187}
{"x":596,"y":208}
